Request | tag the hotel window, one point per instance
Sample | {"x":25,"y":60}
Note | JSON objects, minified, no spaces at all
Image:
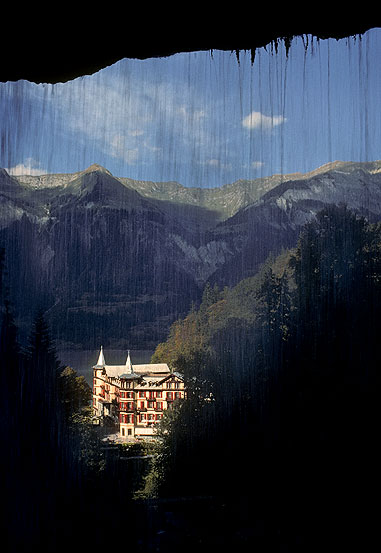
{"x":142,"y":417}
{"x":130,"y":394}
{"x":122,"y":394}
{"x":159,"y":405}
{"x":159,"y":394}
{"x":177,"y":385}
{"x":151,"y":405}
{"x":177,"y":395}
{"x":169,"y":395}
{"x":142,"y":405}
{"x":141,"y":394}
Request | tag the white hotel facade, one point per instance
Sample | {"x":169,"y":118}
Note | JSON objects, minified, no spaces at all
{"x":136,"y":395}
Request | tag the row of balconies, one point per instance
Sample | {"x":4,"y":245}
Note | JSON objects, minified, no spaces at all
{"x":149,"y":400}
{"x":139,"y":408}
{"x":151,"y":392}
{"x":137,"y":397}
{"x":140,"y":420}
{"x":126,"y":401}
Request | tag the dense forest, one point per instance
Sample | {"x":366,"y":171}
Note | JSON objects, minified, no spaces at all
{"x":280,"y":421}
{"x":274,"y":447}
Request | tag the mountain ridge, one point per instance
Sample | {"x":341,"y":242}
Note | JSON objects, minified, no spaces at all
{"x":223,"y":202}
{"x":111,"y":264}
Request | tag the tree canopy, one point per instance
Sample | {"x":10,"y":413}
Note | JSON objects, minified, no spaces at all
{"x":284,"y":363}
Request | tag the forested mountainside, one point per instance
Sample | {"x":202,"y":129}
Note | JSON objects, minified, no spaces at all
{"x":116,"y":261}
{"x":281,"y":374}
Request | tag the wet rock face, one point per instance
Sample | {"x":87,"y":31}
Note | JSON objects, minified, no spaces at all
{"x":118,"y":259}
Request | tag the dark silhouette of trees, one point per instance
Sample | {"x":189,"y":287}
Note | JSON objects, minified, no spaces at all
{"x":275,"y":444}
{"x":74,"y":393}
{"x":296,"y":384}
{"x":61,"y":490}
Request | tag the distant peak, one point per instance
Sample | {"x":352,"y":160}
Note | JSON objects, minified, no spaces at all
{"x":96,"y":167}
{"x":7,"y":177}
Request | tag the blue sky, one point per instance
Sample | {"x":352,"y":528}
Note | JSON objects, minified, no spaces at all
{"x":203,"y":119}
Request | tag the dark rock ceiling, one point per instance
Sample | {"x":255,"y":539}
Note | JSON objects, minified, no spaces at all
{"x":66,"y":47}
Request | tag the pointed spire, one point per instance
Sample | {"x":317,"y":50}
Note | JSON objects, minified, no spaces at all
{"x":128,"y":363}
{"x":101,"y":359}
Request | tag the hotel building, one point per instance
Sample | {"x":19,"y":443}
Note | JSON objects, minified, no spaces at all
{"x":134,"y":395}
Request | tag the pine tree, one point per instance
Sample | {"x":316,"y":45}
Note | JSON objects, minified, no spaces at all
{"x":41,"y":417}
{"x":10,"y":361}
{"x":1,"y":272}
{"x":41,"y":351}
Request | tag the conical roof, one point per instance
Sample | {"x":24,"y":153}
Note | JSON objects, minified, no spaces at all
{"x":128,"y":363}
{"x":101,"y":359}
{"x":130,"y":373}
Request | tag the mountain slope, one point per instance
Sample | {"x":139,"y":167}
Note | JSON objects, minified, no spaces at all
{"x":100,"y":259}
{"x":274,"y":222}
{"x":116,"y":261}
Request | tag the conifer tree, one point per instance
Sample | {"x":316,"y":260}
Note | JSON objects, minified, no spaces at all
{"x":10,"y":358}
{"x":41,"y":376}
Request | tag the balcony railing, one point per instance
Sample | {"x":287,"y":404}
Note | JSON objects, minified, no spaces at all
{"x":126,"y":408}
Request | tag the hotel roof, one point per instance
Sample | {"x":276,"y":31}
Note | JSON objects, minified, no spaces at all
{"x":130,"y":371}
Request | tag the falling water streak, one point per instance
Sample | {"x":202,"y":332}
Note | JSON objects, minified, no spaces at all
{"x":39,"y":133}
{"x":43,"y":128}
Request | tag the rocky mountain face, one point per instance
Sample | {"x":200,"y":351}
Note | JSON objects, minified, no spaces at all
{"x":275,"y":220}
{"x":115,"y":261}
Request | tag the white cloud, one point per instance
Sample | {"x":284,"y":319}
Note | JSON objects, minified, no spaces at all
{"x":29,"y":167}
{"x":152,"y":148}
{"x":131,"y":156}
{"x":257,"y":164}
{"x":120,"y":149}
{"x":136,"y":132}
{"x":134,"y":121}
{"x":217,"y":164}
{"x":192,"y":115}
{"x":257,"y":120}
